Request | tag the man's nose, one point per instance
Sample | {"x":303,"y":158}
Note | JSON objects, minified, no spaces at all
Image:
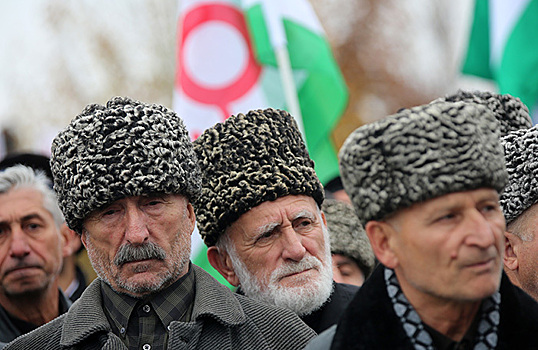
{"x":481,"y":231}
{"x":136,"y":230}
{"x":19,"y":243}
{"x":293,"y":248}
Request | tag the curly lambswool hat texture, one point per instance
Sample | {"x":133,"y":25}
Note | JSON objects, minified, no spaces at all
{"x":421,"y":153}
{"x":247,"y":160}
{"x":521,"y":154}
{"x":347,"y":234}
{"x":126,"y":148}
{"x":511,"y":113}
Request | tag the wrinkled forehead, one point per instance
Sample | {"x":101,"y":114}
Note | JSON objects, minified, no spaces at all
{"x":271,"y":214}
{"x":447,"y":202}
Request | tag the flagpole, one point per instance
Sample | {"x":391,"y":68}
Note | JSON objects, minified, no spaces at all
{"x":277,"y":36}
{"x":288,"y":84}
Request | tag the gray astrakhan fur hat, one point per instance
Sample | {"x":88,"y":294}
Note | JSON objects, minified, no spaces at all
{"x":511,"y":113}
{"x":521,"y":154}
{"x":419,"y":154}
{"x":247,"y":160}
{"x":126,"y":148}
{"x":347,"y":234}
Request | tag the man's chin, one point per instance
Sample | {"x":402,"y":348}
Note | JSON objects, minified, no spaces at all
{"x":25,"y":292}
{"x":299,"y":280}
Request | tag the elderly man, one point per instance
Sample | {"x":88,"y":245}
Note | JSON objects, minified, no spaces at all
{"x":352,"y":255}
{"x":31,"y":251}
{"x":259,"y":214}
{"x":425,"y":184}
{"x":126,"y":174}
{"x":519,"y":202}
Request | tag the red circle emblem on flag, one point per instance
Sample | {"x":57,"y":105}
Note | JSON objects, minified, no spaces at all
{"x":228,"y":90}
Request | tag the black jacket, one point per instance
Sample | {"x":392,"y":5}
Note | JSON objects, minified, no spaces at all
{"x":9,"y":330}
{"x":370,"y":321}
{"x":331,"y":311}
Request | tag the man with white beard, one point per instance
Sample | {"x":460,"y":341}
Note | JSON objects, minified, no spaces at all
{"x":259,"y":214}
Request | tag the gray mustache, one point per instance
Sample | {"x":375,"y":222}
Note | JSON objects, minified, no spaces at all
{"x":128,"y":253}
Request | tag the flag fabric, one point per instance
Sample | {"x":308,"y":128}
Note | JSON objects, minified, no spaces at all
{"x":321,"y":89}
{"x":226,"y":65}
{"x":503,"y":46}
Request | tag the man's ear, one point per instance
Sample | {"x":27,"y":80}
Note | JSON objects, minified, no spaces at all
{"x":511,"y":242}
{"x":323,"y":218}
{"x":191,"y":216}
{"x":71,"y":240}
{"x":221,"y":261}
{"x":380,"y":233}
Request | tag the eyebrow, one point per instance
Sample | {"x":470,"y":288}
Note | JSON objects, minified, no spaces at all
{"x":31,"y":217}
{"x":269,"y":227}
{"x":23,"y":219}
{"x":304,"y":214}
{"x":344,"y":263}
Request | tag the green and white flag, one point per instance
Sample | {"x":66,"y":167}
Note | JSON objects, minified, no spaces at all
{"x":320,"y":88}
{"x":503,"y":47}
{"x":234,"y":56}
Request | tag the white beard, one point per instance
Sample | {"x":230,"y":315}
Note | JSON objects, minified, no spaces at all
{"x":308,"y":296}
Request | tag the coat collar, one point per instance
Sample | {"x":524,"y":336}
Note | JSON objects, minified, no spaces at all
{"x":86,"y":316}
{"x":213,"y":299}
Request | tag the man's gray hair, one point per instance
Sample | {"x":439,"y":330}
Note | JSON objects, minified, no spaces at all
{"x":21,"y":176}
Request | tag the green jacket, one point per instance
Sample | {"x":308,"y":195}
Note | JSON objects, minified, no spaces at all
{"x":220,"y":318}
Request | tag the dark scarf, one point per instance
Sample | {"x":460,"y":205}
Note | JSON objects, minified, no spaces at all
{"x":486,"y":333}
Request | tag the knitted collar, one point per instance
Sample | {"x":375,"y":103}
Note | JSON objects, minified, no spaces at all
{"x":486,"y":334}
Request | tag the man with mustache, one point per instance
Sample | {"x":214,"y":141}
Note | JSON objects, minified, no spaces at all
{"x":32,"y":245}
{"x":126,"y":174}
{"x":259,"y":214}
{"x":425,"y":183}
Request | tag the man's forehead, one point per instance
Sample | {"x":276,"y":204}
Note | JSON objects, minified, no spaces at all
{"x":26,"y":203}
{"x":289,"y":207}
{"x":275,"y":212}
{"x":452,"y":200}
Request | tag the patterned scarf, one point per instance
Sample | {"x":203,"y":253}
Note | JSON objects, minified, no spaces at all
{"x":486,"y":337}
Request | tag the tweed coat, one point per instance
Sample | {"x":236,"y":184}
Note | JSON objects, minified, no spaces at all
{"x":221,"y":319}
{"x":371,"y":323}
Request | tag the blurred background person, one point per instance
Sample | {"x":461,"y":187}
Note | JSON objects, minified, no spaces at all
{"x":76,"y":270}
{"x":335,"y":190}
{"x":352,"y":255}
{"x":32,"y":245}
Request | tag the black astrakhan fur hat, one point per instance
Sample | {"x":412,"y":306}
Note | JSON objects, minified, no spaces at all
{"x":126,"y":148}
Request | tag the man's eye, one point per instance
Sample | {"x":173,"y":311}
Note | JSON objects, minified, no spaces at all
{"x":264,"y":237}
{"x":445,"y":217}
{"x":109,"y":212}
{"x":488,"y":208}
{"x":32,"y":226}
{"x":304,"y":223}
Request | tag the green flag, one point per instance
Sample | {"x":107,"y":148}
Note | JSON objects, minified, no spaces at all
{"x":503,"y":46}
{"x":321,"y":89}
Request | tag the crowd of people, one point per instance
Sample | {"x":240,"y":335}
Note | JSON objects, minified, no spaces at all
{"x":427,"y":240}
